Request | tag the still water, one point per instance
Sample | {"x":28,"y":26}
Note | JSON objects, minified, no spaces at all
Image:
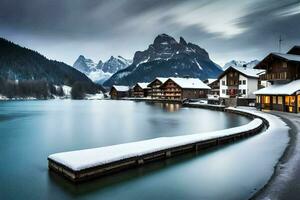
{"x":31,"y":130}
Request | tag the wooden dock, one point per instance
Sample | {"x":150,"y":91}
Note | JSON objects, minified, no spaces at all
{"x":136,"y":161}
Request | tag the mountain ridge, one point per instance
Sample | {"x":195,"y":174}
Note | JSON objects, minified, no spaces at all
{"x":166,"y":57}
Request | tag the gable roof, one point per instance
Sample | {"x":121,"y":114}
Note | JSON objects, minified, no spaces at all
{"x":143,"y":85}
{"x":189,"y":83}
{"x":280,"y":89}
{"x":281,"y":56}
{"x":246,"y":71}
{"x":210,"y":80}
{"x":121,"y":88}
{"x":294,"y":50}
{"x":161,"y":79}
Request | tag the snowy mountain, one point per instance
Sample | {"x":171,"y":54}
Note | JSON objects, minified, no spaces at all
{"x":102,"y":71}
{"x":115,"y":64}
{"x":167,"y":57}
{"x":239,"y":63}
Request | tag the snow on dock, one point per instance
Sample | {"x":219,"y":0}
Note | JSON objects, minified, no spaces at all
{"x":89,"y":163}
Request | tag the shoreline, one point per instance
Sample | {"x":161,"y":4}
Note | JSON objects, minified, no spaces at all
{"x":281,"y":182}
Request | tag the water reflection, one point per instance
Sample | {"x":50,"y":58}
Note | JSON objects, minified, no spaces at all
{"x":168,"y":107}
{"x":72,"y":125}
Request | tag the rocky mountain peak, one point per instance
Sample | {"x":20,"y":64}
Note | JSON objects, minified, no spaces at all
{"x":182,"y":41}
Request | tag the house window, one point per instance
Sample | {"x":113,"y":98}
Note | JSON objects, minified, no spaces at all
{"x":223,"y":82}
{"x":240,"y":82}
{"x":244,"y":82}
{"x":274,"y":99}
{"x":257,"y":99}
{"x":244,"y":91}
{"x":223,"y":91}
{"x":284,"y":65}
{"x":240,"y":91}
{"x":279,"y":100}
{"x":227,"y":92}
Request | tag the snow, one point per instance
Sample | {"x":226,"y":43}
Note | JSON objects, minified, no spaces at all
{"x":99,"y":76}
{"x":276,"y":125}
{"x":248,"y":71}
{"x":280,"y":89}
{"x":121,"y":88}
{"x":198,"y":65}
{"x":290,"y":57}
{"x":67,"y":90}
{"x":190,"y":83}
{"x":211,"y":80}
{"x":83,"y":159}
{"x":3,"y":97}
{"x":143,"y":85}
{"x":97,"y":96}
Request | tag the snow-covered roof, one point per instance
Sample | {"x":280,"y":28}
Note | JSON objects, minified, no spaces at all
{"x":143,"y":85}
{"x":290,"y":57}
{"x":280,"y":89}
{"x":190,"y":83}
{"x":161,"y":79}
{"x":250,"y":72}
{"x":121,"y":88}
{"x":211,"y":80}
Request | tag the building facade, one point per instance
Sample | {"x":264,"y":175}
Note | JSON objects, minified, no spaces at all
{"x":119,"y":91}
{"x":239,"y":82}
{"x":283,"y":73}
{"x":141,"y":90}
{"x":184,"y":88}
{"x":155,"y":91}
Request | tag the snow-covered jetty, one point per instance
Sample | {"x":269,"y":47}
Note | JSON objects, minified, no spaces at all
{"x":90,"y":163}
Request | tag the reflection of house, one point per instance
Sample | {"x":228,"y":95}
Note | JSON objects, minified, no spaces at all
{"x":119,"y":91}
{"x":239,"y":82}
{"x":283,"y":72}
{"x":141,"y":90}
{"x":155,"y":91}
{"x":184,"y":88}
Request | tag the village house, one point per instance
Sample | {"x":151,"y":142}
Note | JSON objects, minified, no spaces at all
{"x":213,"y":95}
{"x":155,"y":90}
{"x":141,"y":90}
{"x":283,"y":72}
{"x":214,"y":84}
{"x":119,"y":91}
{"x":239,"y":84}
{"x":184,"y":88}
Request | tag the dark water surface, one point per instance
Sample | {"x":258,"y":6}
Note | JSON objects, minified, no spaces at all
{"x":31,"y":130}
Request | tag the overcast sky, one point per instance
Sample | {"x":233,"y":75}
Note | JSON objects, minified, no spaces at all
{"x":97,"y":29}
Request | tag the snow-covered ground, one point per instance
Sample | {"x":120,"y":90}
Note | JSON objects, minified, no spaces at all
{"x":83,"y":159}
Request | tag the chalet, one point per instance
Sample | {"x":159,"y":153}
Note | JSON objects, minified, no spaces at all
{"x":155,"y":90}
{"x":239,"y":82}
{"x":141,"y":90}
{"x":119,"y":91}
{"x":184,"y":88}
{"x":283,"y":72}
{"x":214,"y":84}
{"x":213,"y":95}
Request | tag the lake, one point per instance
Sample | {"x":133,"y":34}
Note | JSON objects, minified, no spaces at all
{"x":32,"y":130}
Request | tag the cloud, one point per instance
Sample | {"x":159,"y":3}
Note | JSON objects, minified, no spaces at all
{"x":228,"y":29}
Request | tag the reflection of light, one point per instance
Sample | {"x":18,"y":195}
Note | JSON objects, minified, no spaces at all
{"x":171,"y":107}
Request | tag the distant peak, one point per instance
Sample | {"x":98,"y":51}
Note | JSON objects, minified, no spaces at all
{"x":161,"y":38}
{"x":182,"y":41}
{"x":81,"y":57}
